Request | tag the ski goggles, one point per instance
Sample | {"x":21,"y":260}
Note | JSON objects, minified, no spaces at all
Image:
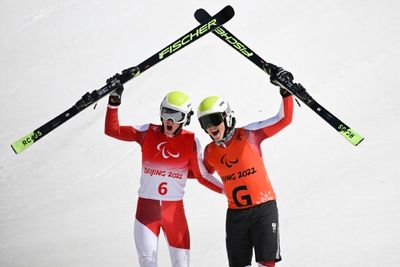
{"x":213,"y":119}
{"x":172,"y":114}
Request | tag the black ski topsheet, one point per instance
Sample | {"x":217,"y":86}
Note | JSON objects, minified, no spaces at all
{"x":202,"y":15}
{"x":88,"y":99}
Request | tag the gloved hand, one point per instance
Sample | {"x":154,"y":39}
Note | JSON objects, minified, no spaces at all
{"x":115,"y":96}
{"x":279,"y":73}
{"x":301,"y":92}
{"x":284,"y":93}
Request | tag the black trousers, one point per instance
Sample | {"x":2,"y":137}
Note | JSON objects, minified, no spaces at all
{"x":256,"y":227}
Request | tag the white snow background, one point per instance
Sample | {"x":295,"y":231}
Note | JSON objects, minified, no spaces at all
{"x":70,"y":199}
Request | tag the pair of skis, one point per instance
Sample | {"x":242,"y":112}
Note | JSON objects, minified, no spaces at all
{"x":296,"y":89}
{"x":208,"y":24}
{"x":88,"y":99}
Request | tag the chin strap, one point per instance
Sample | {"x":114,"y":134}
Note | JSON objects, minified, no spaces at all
{"x":189,"y":115}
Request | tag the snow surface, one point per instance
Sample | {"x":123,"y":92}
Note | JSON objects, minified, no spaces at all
{"x":70,"y":199}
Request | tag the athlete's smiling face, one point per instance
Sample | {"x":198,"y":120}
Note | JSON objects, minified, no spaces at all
{"x":216,"y":132}
{"x":170,"y":127}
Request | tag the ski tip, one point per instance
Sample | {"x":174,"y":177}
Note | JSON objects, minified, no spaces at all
{"x":14,"y":149}
{"x":199,"y":13}
{"x":356,"y":143}
{"x":17,"y":147}
{"x":229,"y":11}
{"x":226,"y":14}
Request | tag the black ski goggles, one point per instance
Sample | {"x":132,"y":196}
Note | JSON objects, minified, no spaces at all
{"x":175,"y":115}
{"x":213,"y":119}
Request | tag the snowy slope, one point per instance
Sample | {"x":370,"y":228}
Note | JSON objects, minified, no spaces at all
{"x":70,"y":199}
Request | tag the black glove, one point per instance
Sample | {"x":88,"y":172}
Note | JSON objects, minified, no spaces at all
{"x":278,"y":73}
{"x":301,"y":92}
{"x":284,"y":93}
{"x":269,"y":68}
{"x":115,"y":96}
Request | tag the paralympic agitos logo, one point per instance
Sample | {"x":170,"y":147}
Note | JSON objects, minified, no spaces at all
{"x":165,"y":152}
{"x":227,"y":162}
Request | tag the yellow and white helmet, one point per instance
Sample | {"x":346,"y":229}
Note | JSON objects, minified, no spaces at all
{"x":214,"y":110}
{"x":177,"y":107}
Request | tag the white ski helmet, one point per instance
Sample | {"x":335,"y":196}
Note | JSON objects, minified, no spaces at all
{"x":213,"y":110}
{"x":176,"y":106}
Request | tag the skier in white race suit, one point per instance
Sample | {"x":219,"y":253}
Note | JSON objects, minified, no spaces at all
{"x":170,"y":155}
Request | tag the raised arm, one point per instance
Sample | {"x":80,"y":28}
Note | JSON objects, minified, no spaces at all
{"x":269,"y":127}
{"x":263,"y":129}
{"x":112,"y":127}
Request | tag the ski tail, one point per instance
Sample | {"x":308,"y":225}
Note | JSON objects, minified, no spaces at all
{"x":210,"y":24}
{"x":221,"y":32}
